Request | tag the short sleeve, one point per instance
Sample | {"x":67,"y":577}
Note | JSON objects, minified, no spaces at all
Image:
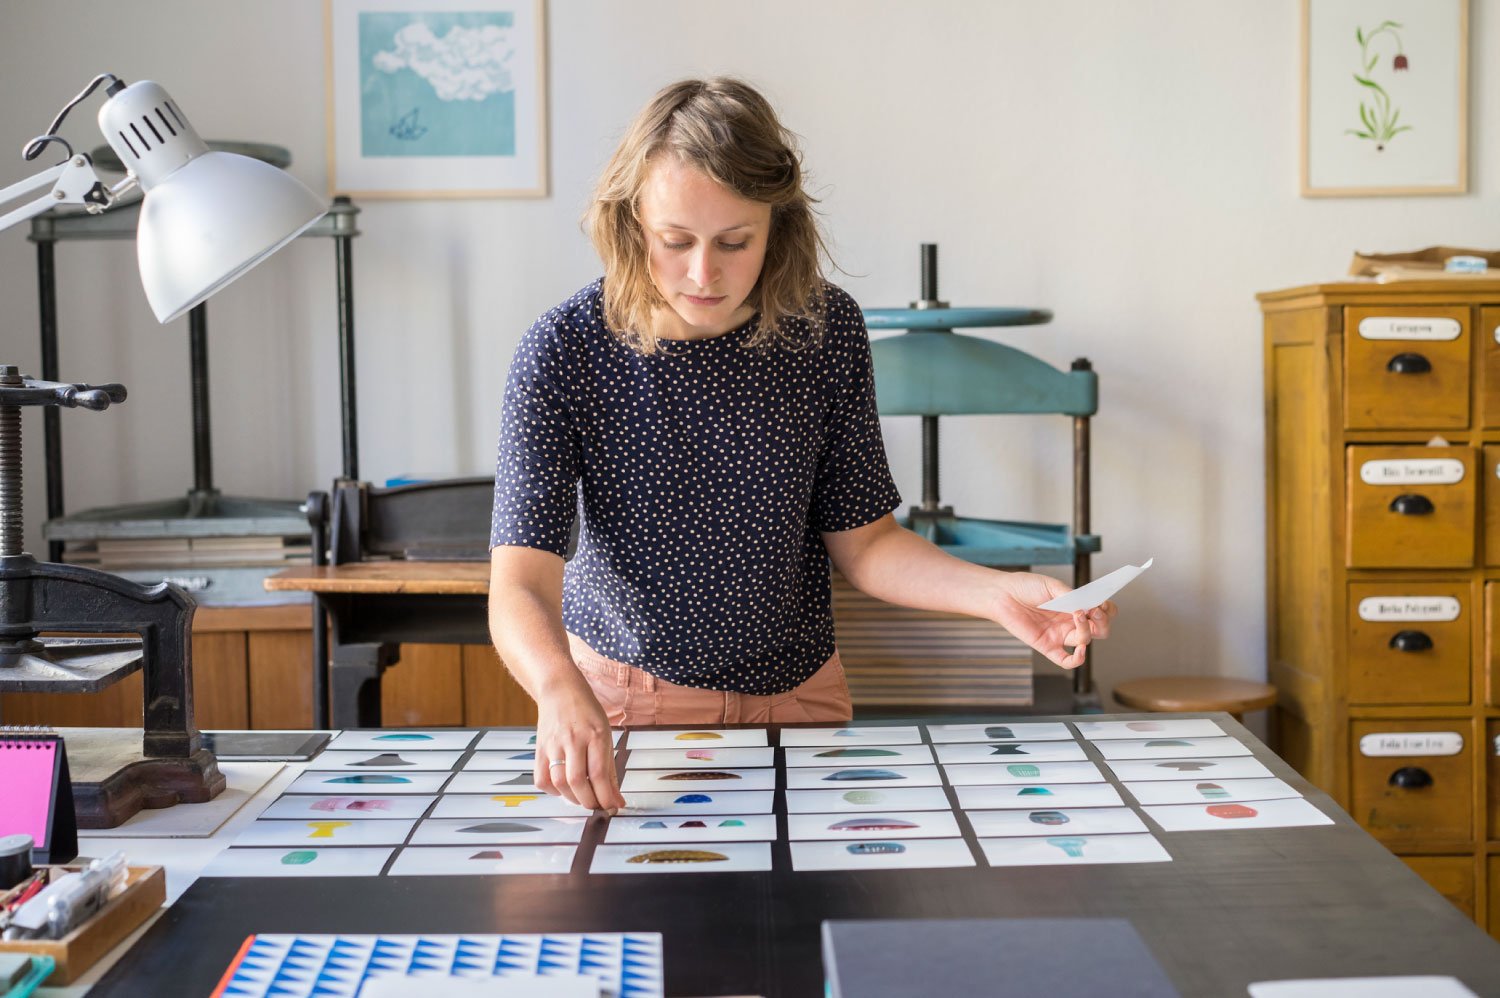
{"x":537,"y":466}
{"x":854,"y":485}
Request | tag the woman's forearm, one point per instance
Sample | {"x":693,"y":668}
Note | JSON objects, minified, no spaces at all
{"x":525,"y":619}
{"x":899,"y":567}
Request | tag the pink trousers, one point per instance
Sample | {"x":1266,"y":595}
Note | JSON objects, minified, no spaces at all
{"x":633,"y":697}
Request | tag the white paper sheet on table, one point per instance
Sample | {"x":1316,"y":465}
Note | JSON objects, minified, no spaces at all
{"x":325,"y":832}
{"x":858,"y":755}
{"x":683,"y":857}
{"x":851,"y":777}
{"x":1053,"y":821}
{"x":368,"y":783}
{"x":1209,"y":791}
{"x":881,"y":854}
{"x":298,"y":862}
{"x":389,"y":760}
{"x":707,"y":780}
{"x":1188,"y":769}
{"x":1284,"y":813}
{"x":702,"y":828}
{"x":1363,"y":987}
{"x":652,"y":804}
{"x":697,"y":738}
{"x":1011,"y":752}
{"x":895,"y":824}
{"x":437,"y":738}
{"x":1171,"y":748}
{"x":746,"y":757}
{"x":502,"y":761}
{"x":1024,"y":731}
{"x":1071,"y":850}
{"x":493,"y":782}
{"x":867,"y":799}
{"x":1180,"y":727}
{"x":1032,"y":797}
{"x":497,"y":831}
{"x":1002,"y":773}
{"x":516,"y":805}
{"x":1088,"y":596}
{"x":409,"y":806}
{"x":862,"y":735}
{"x":427,"y":861}
{"x":519,"y":738}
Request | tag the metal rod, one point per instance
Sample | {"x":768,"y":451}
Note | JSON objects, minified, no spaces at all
{"x":344,"y":256}
{"x":12,"y":532}
{"x":929,"y":464}
{"x":46,"y":274}
{"x":1083,"y":676}
{"x":929,"y":272}
{"x":203,"y":457}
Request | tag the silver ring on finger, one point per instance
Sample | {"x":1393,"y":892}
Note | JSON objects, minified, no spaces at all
{"x":560,"y":762}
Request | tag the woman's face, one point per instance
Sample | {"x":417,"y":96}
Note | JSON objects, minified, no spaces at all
{"x":706,"y":244}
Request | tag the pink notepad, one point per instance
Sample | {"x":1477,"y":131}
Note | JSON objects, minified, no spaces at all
{"x":27,"y":776}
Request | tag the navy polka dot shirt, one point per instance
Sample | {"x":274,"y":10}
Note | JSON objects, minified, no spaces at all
{"x":707,"y":471}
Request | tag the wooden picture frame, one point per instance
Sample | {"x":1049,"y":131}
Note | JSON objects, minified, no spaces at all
{"x":1384,"y":97}
{"x":433,"y":99}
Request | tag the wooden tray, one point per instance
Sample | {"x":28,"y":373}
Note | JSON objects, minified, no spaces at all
{"x":145,"y":890}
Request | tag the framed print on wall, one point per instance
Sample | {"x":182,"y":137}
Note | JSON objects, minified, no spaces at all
{"x":436,"y":98}
{"x":1384,"y":97}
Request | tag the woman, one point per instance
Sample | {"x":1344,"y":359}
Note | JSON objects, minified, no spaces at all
{"x":714,"y":396}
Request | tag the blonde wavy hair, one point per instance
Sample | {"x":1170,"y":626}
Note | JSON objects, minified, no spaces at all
{"x":725,"y":128}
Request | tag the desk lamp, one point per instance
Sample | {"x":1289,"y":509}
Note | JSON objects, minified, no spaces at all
{"x":207,"y":218}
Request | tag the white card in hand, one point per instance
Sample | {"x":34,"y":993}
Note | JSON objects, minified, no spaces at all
{"x":1088,"y":596}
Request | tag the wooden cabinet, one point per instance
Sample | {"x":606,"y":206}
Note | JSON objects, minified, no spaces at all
{"x":1383,"y":562}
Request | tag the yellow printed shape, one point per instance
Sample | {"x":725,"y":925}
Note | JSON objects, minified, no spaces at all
{"x":325,"y":829}
{"x":698,"y":736}
{"x":515,"y":800}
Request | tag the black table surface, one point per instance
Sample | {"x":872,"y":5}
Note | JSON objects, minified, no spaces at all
{"x":1232,"y":908}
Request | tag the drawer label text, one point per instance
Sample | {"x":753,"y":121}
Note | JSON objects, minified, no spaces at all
{"x":1408,"y":328}
{"x":1408,"y":608}
{"x":1412,"y":471}
{"x":1412,"y":743}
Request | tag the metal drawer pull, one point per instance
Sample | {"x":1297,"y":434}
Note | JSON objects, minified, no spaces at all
{"x":1411,"y":778}
{"x":1409,"y":363}
{"x":1410,"y":504}
{"x":1411,"y":641}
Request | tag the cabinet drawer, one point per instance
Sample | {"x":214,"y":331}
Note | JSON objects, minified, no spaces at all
{"x":1491,"y":749}
{"x":1406,"y":368}
{"x":1489,"y":496}
{"x":1409,"y":643}
{"x":1450,"y":876}
{"x":1411,"y":506}
{"x":1488,"y":334}
{"x":1417,"y":797}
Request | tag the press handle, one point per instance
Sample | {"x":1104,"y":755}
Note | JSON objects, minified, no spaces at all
{"x":1411,"y":641}
{"x":1410,"y":778}
{"x":1411,"y":504}
{"x":1409,"y":363}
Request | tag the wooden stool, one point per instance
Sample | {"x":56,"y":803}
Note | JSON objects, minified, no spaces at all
{"x":1174,"y":694}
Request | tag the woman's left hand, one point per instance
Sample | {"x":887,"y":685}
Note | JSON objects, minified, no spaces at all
{"x":1048,"y":631}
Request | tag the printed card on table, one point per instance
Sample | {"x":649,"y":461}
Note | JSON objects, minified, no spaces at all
{"x":859,"y":755}
{"x":863,"y":776}
{"x":862,"y":735}
{"x":362,"y":806}
{"x":701,"y":758}
{"x":900,"y":825}
{"x":1183,"y":727}
{"x":324,"y":832}
{"x":1188,"y":769}
{"x":1209,"y":791}
{"x":1284,"y":813}
{"x":299,"y":862}
{"x":493,"y":782}
{"x":698,"y":779}
{"x":503,"y":805}
{"x":438,"y":738}
{"x":391,"y":760}
{"x":701,"y":828}
{"x":1009,"y":751}
{"x":519,"y":738}
{"x":653,"y":804}
{"x":1071,"y":850}
{"x":439,"y":861}
{"x":683,"y":857}
{"x":867,"y":799}
{"x":1171,"y":748}
{"x":881,"y":853}
{"x":504,"y":760}
{"x":368,"y":783}
{"x":1001,"y":773}
{"x":979,"y":798}
{"x":497,"y":831}
{"x":1023,"y":731}
{"x":698,"y":738}
{"x":1055,"y":821}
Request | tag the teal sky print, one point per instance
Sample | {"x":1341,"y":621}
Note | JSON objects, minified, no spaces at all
{"x":436,"y":84}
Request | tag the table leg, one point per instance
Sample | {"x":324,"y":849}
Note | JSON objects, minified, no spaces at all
{"x":354,"y":682}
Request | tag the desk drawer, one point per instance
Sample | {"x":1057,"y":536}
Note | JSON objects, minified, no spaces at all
{"x":1409,"y":643}
{"x":1411,"y":506}
{"x":1404,"y":792}
{"x":1406,"y":368}
{"x":1488,"y":333}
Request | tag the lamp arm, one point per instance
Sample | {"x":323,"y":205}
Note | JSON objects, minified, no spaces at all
{"x":73,"y":182}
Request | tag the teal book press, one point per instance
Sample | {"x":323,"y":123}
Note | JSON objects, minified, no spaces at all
{"x":930,"y":370}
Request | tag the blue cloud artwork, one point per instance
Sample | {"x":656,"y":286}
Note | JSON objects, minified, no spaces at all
{"x":437,"y":84}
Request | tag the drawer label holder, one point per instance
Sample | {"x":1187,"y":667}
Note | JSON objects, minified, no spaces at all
{"x":1382,"y":327}
{"x":1412,"y":471}
{"x":1411,"y":743}
{"x":1409,"y":608}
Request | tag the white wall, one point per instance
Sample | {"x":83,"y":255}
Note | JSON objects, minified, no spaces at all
{"x":1131,"y":166}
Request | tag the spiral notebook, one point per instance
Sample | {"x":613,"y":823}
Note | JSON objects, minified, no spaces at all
{"x":37,"y":792}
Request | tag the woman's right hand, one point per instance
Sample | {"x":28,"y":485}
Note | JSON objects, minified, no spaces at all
{"x":575,"y":750}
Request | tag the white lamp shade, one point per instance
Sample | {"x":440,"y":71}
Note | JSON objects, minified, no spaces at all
{"x":210,"y":221}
